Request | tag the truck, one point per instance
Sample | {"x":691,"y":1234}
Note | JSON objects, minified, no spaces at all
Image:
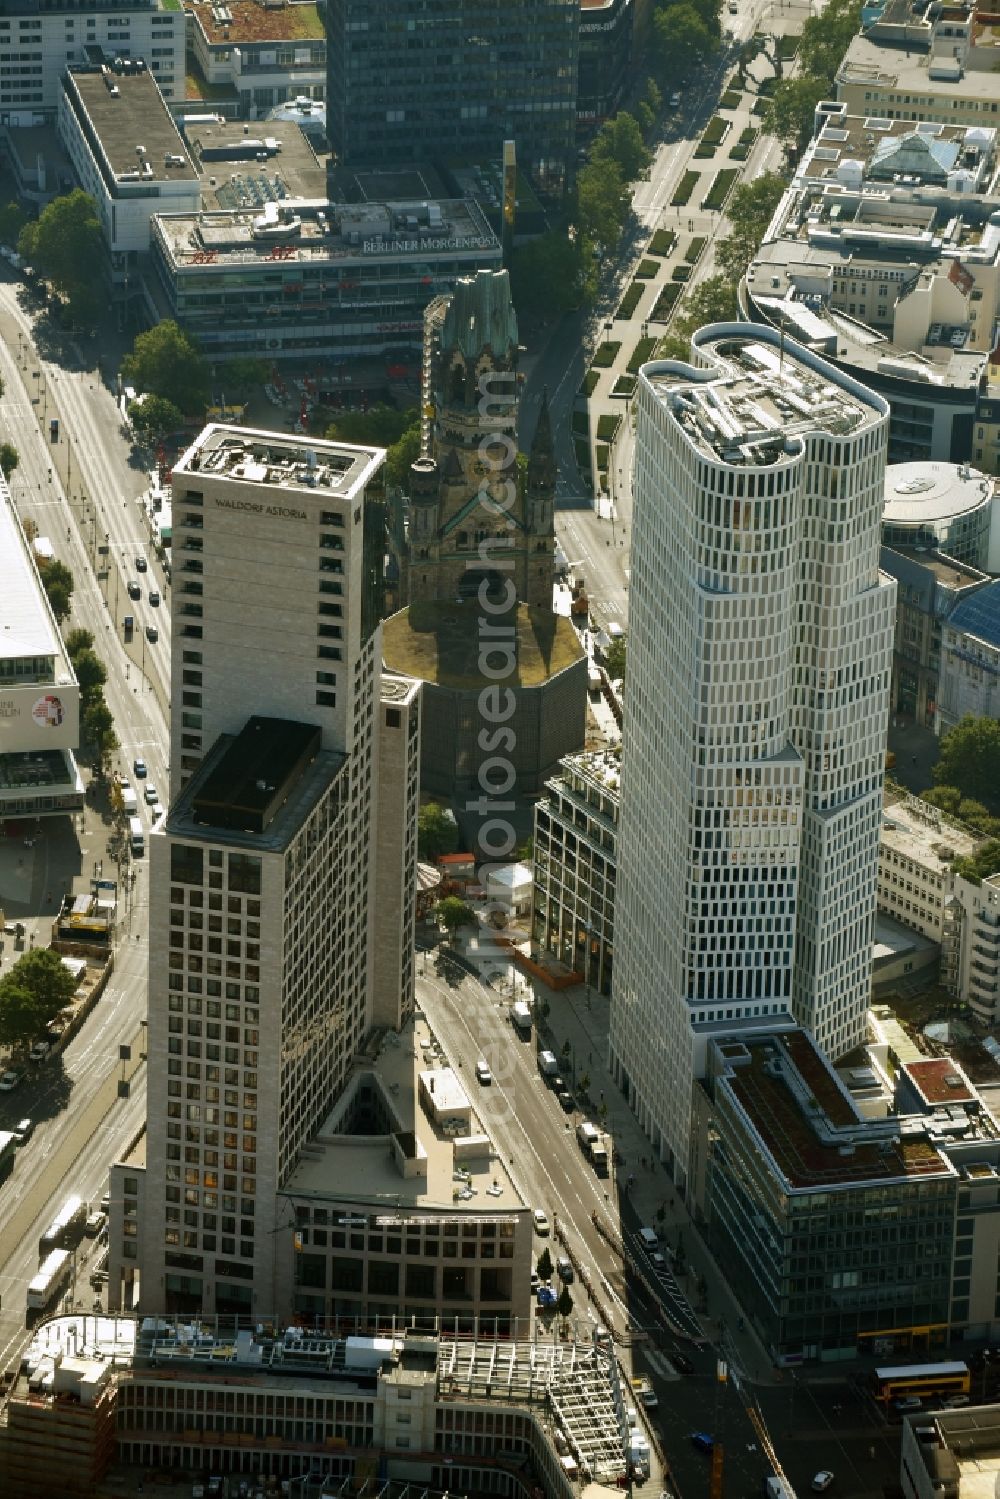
{"x":136,"y":836}
{"x":130,"y":802}
{"x":599,"y":1156}
{"x":548,"y":1066}
{"x":587,"y":1135}
{"x":520,"y":1018}
{"x":53,"y":1275}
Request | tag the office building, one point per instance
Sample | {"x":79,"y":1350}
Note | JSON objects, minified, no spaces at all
{"x":884,"y":257}
{"x":606,"y":34}
{"x":794,"y":1157}
{"x":946,"y":507}
{"x":270,"y":268}
{"x":39,"y":38}
{"x":929,"y":64}
{"x":969,"y":671}
{"x":246,"y":58}
{"x":929,"y":586}
{"x":450,"y":85}
{"x":950,"y":1453}
{"x":102,"y":1401}
{"x":753,"y":744}
{"x":264,"y":870}
{"x":39,"y":695}
{"x":575,"y":865}
{"x":127,"y":153}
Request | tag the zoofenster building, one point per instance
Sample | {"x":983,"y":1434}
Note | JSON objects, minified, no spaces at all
{"x":760,"y":647}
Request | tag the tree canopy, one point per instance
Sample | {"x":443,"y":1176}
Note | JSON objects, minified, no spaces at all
{"x":620,"y":140}
{"x":749,"y":210}
{"x":9,"y":456}
{"x":401,"y":453}
{"x":98,"y":726}
{"x":12,"y":220}
{"x":552,"y":274}
{"x":167,"y":363}
{"x":382,"y":425}
{"x":454,"y":913}
{"x":711,"y":301}
{"x":65,"y":245}
{"x":57,"y":580}
{"x":969,"y":760}
{"x":32,"y":994}
{"x":437,"y":832}
{"x":153,"y":417}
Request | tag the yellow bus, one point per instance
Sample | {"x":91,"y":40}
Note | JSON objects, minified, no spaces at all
{"x":921,"y":1380}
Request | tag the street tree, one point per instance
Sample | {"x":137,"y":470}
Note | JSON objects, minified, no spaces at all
{"x":57,"y":580}
{"x":614,"y":659}
{"x":99,"y":730}
{"x":9,"y":456}
{"x":91,"y":674}
{"x":620,"y":140}
{"x":791,"y":112}
{"x":565,"y":1304}
{"x":544,"y":1265}
{"x":66,"y":247}
{"x":681,"y":40}
{"x":548,"y":275}
{"x":45,"y":976}
{"x":969,"y":759}
{"x":453,"y":914}
{"x":239,"y":377}
{"x":20,"y":1019}
{"x":437,"y":831}
{"x":749,"y":210}
{"x":382,"y":425}
{"x":825,"y":39}
{"x":602,"y":199}
{"x":712,"y":301}
{"x":401,"y":454}
{"x":153,"y":417}
{"x":12,"y":220}
{"x":166,"y":362}
{"x":77,"y":641}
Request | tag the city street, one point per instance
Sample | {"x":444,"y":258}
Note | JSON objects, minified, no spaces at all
{"x":82,"y":1123}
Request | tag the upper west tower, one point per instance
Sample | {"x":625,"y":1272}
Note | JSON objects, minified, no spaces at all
{"x":760,"y":643}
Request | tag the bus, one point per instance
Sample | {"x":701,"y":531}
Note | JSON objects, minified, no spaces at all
{"x":66,"y":1229}
{"x":920,"y":1380}
{"x":52,"y":1278}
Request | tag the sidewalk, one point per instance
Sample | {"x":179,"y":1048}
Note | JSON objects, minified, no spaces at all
{"x":579,"y":1017}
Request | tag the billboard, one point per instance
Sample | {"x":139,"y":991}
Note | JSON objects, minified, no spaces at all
{"x":39,"y":717}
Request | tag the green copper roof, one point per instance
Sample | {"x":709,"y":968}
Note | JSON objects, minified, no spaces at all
{"x":481,"y":316}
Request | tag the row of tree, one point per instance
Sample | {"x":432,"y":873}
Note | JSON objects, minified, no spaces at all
{"x":825,"y":39}
{"x":31,"y":995}
{"x":97,"y":724}
{"x":65,"y":246}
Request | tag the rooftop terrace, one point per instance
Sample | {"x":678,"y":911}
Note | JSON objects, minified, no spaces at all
{"x":924,"y":834}
{"x":236,"y":21}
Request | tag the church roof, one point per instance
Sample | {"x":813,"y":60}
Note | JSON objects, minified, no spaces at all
{"x":481,"y":316}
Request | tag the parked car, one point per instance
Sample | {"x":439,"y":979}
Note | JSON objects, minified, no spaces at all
{"x":564,"y":1269}
{"x":954,"y":1402}
{"x":566,"y":1102}
{"x":483,"y":1074}
{"x":10,"y":1080}
{"x":546,"y":1297}
{"x":907,"y":1403}
{"x":39,"y":1051}
{"x":150,"y":794}
{"x":139,"y":768}
{"x":822,"y":1481}
{"x":94,"y":1224}
{"x":541,"y":1222}
{"x":23,"y":1131}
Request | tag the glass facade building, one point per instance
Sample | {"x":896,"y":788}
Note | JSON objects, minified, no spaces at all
{"x":446,"y":81}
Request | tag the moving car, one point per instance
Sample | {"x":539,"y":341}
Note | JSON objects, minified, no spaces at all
{"x":140,"y":563}
{"x":702,"y":1441}
{"x":540,"y":1220}
{"x":822,"y":1481}
{"x":154,"y":597}
{"x":152,"y":634}
{"x":483,"y":1074}
{"x":10,"y":1080}
{"x":681,"y":1363}
{"x":566,"y":1102}
{"x":906,"y":1403}
{"x":133,"y":589}
{"x":94,"y":1224}
{"x":954,"y":1402}
{"x":139,"y":768}
{"x":23,"y":1131}
{"x":150,"y":794}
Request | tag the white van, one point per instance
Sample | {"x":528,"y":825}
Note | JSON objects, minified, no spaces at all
{"x":649,"y":1240}
{"x":136,"y":836}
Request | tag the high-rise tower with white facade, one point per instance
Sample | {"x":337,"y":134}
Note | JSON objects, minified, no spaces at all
{"x":263,"y":977}
{"x":760,"y":644}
